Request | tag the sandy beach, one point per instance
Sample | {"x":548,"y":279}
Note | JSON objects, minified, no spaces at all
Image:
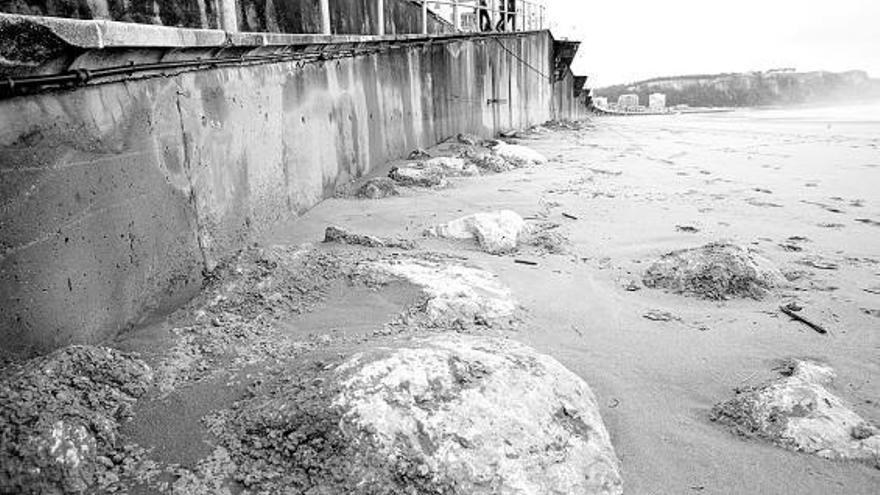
{"x":797,"y":187}
{"x":636,"y":187}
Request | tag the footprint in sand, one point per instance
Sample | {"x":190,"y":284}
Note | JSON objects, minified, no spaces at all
{"x":868,"y":221}
{"x":762,"y":204}
{"x":871,"y":312}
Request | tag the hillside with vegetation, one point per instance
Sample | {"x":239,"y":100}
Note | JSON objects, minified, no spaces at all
{"x":774,"y":87}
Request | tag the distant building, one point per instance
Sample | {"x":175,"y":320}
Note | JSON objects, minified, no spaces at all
{"x":628,"y":101}
{"x":657,"y":102}
{"x":600,"y":102}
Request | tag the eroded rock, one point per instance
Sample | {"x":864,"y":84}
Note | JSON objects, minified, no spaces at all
{"x":491,"y":162}
{"x":432,"y":172}
{"x":60,"y":416}
{"x":798,"y":412}
{"x":457,"y":294}
{"x":418,"y":177}
{"x":378,"y":188}
{"x":519,"y":156}
{"x":340,"y":235}
{"x":496,"y":232}
{"x":714,"y":271}
{"x":448,"y":414}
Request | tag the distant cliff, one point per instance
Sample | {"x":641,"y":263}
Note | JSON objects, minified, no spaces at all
{"x":776,"y":87}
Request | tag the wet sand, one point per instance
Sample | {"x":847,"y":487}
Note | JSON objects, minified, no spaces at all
{"x":640,"y":187}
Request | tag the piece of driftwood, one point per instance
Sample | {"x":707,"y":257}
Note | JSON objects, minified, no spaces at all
{"x":792,"y":309}
{"x":526,"y":262}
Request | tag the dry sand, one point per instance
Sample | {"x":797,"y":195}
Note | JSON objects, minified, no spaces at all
{"x":641,"y":187}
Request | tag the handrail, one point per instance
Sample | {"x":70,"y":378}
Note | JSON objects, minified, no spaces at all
{"x":528,"y":14}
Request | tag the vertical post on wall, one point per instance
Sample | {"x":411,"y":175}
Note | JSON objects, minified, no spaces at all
{"x":380,"y":17}
{"x":424,"y":16}
{"x":492,"y":5}
{"x":325,"y":17}
{"x":456,"y":22}
{"x":229,"y":16}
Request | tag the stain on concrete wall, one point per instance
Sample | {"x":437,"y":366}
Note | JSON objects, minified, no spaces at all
{"x":116,"y":197}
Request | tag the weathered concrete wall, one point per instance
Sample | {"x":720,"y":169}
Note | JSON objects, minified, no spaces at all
{"x":116,"y":197}
{"x":278,"y":16}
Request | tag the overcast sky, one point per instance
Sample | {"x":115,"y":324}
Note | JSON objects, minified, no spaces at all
{"x":625,"y":41}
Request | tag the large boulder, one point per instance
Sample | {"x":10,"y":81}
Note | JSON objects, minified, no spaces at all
{"x":60,"y":416}
{"x":496,"y":232}
{"x":714,"y":271}
{"x":457,"y":295}
{"x":519,"y":156}
{"x":798,"y":412}
{"x":449,"y":414}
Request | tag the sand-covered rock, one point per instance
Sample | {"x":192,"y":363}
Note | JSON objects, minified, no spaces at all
{"x":415,"y":176}
{"x":378,"y":188}
{"x":432,"y":172}
{"x":449,"y":414}
{"x":491,"y":163}
{"x":519,"y":156}
{"x":799,"y":413}
{"x":496,"y":232}
{"x":714,"y":271}
{"x":457,"y":294}
{"x":546,"y":238}
{"x":342,"y":236}
{"x":451,"y":166}
{"x":60,"y":416}
{"x":468,"y":139}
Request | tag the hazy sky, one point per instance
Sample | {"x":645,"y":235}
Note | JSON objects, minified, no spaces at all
{"x":625,"y":41}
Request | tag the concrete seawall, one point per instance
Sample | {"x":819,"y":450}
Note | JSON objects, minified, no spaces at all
{"x":118,"y":197}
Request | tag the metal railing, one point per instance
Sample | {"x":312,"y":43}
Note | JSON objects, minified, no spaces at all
{"x":467,"y":15}
{"x":488,"y":15}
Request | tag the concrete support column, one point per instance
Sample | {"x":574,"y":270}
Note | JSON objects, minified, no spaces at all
{"x":325,"y":17}
{"x":229,"y":16}
{"x":456,"y":22}
{"x":380,"y":17}
{"x":424,"y":16}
